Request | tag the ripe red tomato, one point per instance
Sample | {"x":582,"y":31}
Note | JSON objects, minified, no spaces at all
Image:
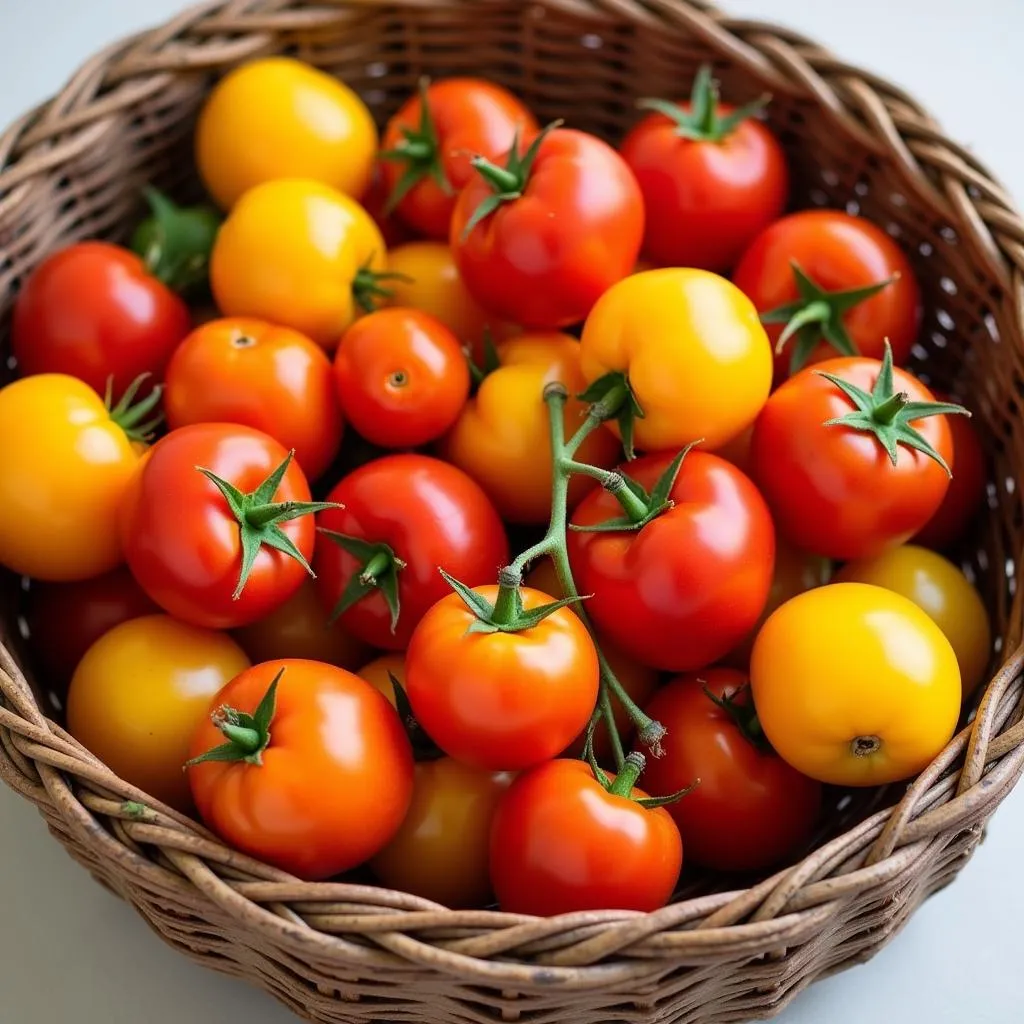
{"x":218,"y":555}
{"x":712,"y":177}
{"x":561,"y":843}
{"x":842,"y":306}
{"x":403,"y":517}
{"x":751,"y":810}
{"x":401,"y":376}
{"x":682,"y":590}
{"x":429,"y":143}
{"x":541,"y":239}
{"x":93,"y":311}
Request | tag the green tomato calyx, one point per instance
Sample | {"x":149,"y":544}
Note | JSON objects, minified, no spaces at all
{"x":247,"y":735}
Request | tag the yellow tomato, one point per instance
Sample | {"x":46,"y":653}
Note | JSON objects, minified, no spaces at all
{"x":377,"y":672}
{"x":300,"y":254}
{"x":502,"y":437}
{"x":940,"y":589}
{"x":692,"y":350}
{"x":64,"y":467}
{"x":855,"y":685}
{"x":140,"y":693}
{"x":280,"y":118}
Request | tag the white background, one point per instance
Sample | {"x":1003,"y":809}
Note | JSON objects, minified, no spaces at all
{"x":69,"y":952}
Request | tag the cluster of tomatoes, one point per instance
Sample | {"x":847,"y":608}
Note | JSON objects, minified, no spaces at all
{"x":271,"y":545}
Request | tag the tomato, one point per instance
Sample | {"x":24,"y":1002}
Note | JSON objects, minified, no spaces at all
{"x":299,"y":254}
{"x":501,"y":701}
{"x":375,"y":202}
{"x":840,"y":468}
{"x":314,"y":730}
{"x":502,"y":437}
{"x":941,"y":590}
{"x":66,"y":619}
{"x":441,"y":850}
{"x":561,"y":843}
{"x":689,"y":347}
{"x":712,"y":178}
{"x":966,"y":492}
{"x":429,"y":143}
{"x":277,"y":117}
{"x":65,"y":466}
{"x":855,"y":685}
{"x":751,"y":810}
{"x":684,"y":588}
{"x":539,"y":240}
{"x":837,"y":288}
{"x":378,"y":673}
{"x":204,"y":558}
{"x":274,"y":379}
{"x":401,"y":376}
{"x":94,"y":312}
{"x":139,"y":694}
{"x":403,"y":517}
{"x":299,"y":629}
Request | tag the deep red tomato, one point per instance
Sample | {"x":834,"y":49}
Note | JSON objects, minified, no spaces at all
{"x":842,"y":303}
{"x":542,"y":238}
{"x":401,"y":376}
{"x":685,"y":588}
{"x":833,"y":488}
{"x":561,"y":842}
{"x":403,"y":517}
{"x":93,"y":311}
{"x":186,"y":542}
{"x":712,"y":178}
{"x":751,"y":809}
{"x":429,"y":143}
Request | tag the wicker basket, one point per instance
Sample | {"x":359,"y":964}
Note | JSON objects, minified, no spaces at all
{"x":347,"y":952}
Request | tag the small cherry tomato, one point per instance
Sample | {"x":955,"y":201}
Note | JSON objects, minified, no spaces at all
{"x":378,"y":673}
{"x":375,"y":202}
{"x":855,"y":685}
{"x":241,"y":370}
{"x":141,"y":691}
{"x":319,"y":777}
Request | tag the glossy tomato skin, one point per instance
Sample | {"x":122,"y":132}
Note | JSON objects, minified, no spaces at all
{"x":93,"y":311}
{"x":682,"y":590}
{"x":855,"y":685}
{"x":331,"y":733}
{"x":274,"y":379}
{"x":501,"y":701}
{"x":833,"y":490}
{"x":401,"y":377}
{"x":471,"y":117}
{"x":544,"y":259}
{"x":751,"y":810}
{"x":181,"y":540}
{"x":560,"y":843}
{"x":502,"y":437}
{"x":141,"y":691}
{"x":441,"y":850}
{"x":430,"y":514}
{"x":705,"y":200}
{"x":838,"y":252}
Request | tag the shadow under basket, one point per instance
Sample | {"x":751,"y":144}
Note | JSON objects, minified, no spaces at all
{"x":345,"y":952}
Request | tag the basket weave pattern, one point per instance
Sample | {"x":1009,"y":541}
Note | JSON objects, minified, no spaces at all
{"x":350,"y":953}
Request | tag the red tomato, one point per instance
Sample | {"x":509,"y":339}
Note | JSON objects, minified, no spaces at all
{"x":429,"y":144}
{"x":375,"y":203}
{"x":751,"y":810}
{"x":565,"y":222}
{"x":561,"y":843}
{"x":712,"y":177}
{"x":274,"y":379}
{"x":841,"y":256}
{"x":185,"y":543}
{"x":93,"y":311}
{"x":402,"y":377}
{"x":685,"y":588}
{"x":403,"y":517}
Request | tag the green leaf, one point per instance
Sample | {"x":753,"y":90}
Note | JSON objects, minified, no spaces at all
{"x":251,"y":542}
{"x":476,"y":603}
{"x":486,"y":208}
{"x":388,"y":584}
{"x":619,"y":524}
{"x":232,"y":495}
{"x":360,"y":549}
{"x":355,"y":590}
{"x":264,"y":713}
{"x":226,"y":752}
{"x":663,"y":488}
{"x":535,"y":616}
{"x":274,"y":537}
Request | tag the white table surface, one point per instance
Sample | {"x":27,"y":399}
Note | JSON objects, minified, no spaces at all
{"x":72,"y":954}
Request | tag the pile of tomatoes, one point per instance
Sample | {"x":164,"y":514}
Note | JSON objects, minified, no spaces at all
{"x":487,"y":508}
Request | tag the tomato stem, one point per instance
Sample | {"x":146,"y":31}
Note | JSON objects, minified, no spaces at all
{"x":247,"y":735}
{"x":629,"y":772}
{"x":632,"y":504}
